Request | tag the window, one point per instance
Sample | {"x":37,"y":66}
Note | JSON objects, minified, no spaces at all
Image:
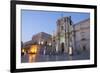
{"x":62,"y":28}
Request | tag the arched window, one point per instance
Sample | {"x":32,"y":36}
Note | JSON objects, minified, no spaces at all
{"x":62,"y":27}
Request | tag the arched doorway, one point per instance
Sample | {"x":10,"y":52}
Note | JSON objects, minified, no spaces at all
{"x":84,"y":47}
{"x":62,"y":47}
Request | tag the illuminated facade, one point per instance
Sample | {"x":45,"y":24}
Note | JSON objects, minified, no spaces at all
{"x":71,"y":37}
{"x":64,"y":35}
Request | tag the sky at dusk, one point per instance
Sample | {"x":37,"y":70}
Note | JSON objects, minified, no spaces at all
{"x":33,"y":22}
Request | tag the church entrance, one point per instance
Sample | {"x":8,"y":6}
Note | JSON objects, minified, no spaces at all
{"x":84,"y":47}
{"x":62,"y":47}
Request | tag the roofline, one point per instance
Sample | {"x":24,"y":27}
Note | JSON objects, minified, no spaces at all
{"x":81,"y":21}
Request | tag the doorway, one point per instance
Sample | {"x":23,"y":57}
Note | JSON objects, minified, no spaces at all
{"x":62,"y":47}
{"x":84,"y":48}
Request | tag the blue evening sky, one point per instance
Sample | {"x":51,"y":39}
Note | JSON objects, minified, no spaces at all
{"x":34,"y":22}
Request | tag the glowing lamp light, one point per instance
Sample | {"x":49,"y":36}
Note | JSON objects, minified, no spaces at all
{"x":33,"y":49}
{"x":23,"y":50}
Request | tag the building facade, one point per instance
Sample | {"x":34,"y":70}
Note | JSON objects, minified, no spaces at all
{"x":71,"y":37}
{"x":82,"y":35}
{"x":64,"y":35}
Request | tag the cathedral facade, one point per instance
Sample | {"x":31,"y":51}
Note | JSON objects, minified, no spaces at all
{"x":63,"y":37}
{"x":71,"y":37}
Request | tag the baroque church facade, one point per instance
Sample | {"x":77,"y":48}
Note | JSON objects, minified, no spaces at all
{"x":69,"y":37}
{"x":63,"y":37}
